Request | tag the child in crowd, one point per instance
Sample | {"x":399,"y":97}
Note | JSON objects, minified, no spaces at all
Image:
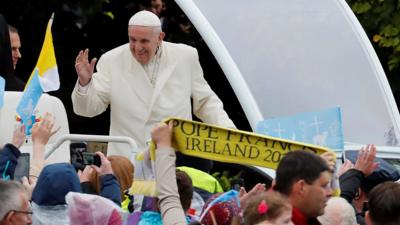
{"x":123,"y":171}
{"x":268,"y":208}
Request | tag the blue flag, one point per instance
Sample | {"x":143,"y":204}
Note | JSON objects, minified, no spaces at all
{"x":2,"y":87}
{"x":29,"y":101}
{"x":322,"y":128}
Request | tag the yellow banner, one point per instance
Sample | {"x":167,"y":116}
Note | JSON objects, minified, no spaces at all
{"x":232,"y":146}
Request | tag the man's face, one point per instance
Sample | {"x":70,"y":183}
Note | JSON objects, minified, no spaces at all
{"x":143,"y":42}
{"x":21,"y":216}
{"x":316,"y":195}
{"x":15,"y":46}
{"x":156,"y":7}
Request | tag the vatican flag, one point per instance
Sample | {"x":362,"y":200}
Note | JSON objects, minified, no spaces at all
{"x":46,"y":64}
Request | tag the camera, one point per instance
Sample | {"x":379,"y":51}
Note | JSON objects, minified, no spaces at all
{"x":91,"y":159}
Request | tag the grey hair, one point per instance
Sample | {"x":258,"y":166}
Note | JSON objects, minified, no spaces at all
{"x":10,"y":196}
{"x":338,"y":212}
{"x":156,"y":29}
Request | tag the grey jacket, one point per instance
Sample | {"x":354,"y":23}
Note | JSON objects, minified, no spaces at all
{"x":167,"y":188}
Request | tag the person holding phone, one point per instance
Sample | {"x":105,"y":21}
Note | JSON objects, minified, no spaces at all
{"x":110,"y":187}
{"x":56,"y":181}
{"x":10,"y":153}
{"x":122,"y":168}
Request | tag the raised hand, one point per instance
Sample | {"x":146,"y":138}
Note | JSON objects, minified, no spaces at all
{"x":43,"y":130}
{"x":18,"y":136}
{"x":83,"y":68}
{"x":29,"y":185}
{"x":41,"y":133}
{"x":105,"y":167}
{"x":365,"y":160}
{"x":345,"y":167}
{"x":244,"y":195}
{"x":162,"y":134}
{"x":86,"y":174}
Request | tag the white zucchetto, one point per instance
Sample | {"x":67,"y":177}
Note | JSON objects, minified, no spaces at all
{"x":145,"y":18}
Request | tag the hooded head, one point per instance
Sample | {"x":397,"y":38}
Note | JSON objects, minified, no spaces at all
{"x":84,"y":209}
{"x":54,"y":183}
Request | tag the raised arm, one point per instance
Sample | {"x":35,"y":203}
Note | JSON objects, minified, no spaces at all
{"x":91,"y":95}
{"x":41,"y":133}
{"x":110,"y":188}
{"x":206,"y":104}
{"x":168,"y":197}
{"x":351,"y":179}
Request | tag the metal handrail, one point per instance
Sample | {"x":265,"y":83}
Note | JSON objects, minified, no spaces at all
{"x":84,"y":137}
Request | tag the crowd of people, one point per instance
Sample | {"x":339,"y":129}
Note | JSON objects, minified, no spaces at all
{"x":164,"y":79}
{"x":58,"y":193}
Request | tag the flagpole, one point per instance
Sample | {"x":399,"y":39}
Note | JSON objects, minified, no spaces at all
{"x":51,"y":19}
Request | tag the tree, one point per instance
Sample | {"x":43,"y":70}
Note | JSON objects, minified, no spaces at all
{"x":381,"y":21}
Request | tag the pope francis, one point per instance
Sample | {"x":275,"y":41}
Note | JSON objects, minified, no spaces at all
{"x":144,"y":81}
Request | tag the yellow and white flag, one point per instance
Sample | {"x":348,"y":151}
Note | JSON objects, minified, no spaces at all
{"x":46,"y":64}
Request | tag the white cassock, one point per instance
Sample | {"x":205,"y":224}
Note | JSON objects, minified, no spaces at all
{"x":137,"y":106}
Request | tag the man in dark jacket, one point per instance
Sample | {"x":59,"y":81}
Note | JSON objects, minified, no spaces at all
{"x":360,"y":179}
{"x":6,"y":64}
{"x":15,"y":42}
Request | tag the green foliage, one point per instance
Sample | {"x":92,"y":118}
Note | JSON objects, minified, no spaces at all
{"x":394,"y":61}
{"x":361,"y":7}
{"x":381,"y":21}
{"x":225,"y":178}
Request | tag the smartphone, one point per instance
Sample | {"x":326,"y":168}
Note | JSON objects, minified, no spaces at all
{"x":350,"y":155}
{"x":91,"y":159}
{"x":23,"y":166}
{"x":343,"y":158}
{"x":76,"y":150}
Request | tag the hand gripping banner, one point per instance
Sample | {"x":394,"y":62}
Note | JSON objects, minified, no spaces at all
{"x":232,"y":146}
